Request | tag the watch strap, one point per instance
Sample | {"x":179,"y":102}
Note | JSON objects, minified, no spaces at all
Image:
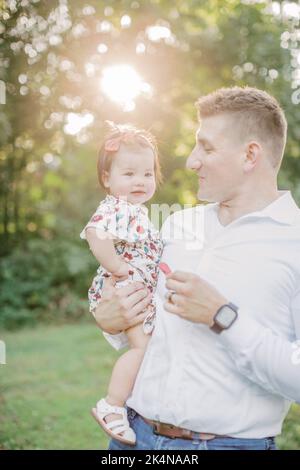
{"x":216,"y":328}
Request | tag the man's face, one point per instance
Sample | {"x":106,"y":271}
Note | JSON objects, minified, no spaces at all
{"x":217,"y":158}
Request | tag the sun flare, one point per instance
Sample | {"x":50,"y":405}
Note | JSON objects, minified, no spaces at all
{"x":122,"y":84}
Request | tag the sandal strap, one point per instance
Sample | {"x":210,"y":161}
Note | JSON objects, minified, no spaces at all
{"x":116,"y":422}
{"x":104,"y":407}
{"x":117,"y":426}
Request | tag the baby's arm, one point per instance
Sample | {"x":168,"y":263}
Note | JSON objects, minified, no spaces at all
{"x":104,"y":251}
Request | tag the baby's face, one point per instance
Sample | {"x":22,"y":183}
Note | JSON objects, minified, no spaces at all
{"x":132,"y":176}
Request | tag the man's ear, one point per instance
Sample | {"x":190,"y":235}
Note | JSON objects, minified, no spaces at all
{"x":105,"y":178}
{"x":252,"y":155}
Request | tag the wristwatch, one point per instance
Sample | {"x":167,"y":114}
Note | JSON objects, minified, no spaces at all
{"x":224,"y":318}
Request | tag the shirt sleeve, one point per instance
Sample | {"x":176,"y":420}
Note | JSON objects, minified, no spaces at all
{"x":118,"y":341}
{"x":119,"y":221}
{"x":107,"y":219}
{"x":269,"y":360}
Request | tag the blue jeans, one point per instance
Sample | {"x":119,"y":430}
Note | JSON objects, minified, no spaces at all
{"x":147,"y":440}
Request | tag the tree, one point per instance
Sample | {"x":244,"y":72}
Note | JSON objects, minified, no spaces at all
{"x":53,"y":56}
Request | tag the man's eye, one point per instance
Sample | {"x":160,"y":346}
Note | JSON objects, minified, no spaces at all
{"x":205,"y":147}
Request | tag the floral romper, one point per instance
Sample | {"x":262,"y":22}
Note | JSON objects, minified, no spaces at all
{"x":136,"y":240}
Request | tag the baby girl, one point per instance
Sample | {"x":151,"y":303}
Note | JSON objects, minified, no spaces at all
{"x":127,"y":246}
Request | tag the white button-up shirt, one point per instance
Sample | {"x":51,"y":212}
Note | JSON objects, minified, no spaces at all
{"x":239,"y":383}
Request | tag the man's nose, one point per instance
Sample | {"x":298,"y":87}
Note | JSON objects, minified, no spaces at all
{"x":194,"y":161}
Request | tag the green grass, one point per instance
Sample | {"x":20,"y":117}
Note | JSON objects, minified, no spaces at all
{"x":53,"y":377}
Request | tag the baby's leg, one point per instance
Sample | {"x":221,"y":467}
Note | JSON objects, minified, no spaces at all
{"x":126,"y":369}
{"x":127,"y":366}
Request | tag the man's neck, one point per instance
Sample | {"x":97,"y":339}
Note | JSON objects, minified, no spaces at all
{"x":246,"y":203}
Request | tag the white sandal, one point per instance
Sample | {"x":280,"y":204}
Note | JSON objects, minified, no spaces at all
{"x":117,"y":426}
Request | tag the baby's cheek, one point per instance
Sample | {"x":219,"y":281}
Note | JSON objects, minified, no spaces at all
{"x":151,"y":187}
{"x":125,"y":187}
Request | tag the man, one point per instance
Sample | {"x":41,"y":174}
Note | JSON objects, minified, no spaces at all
{"x":223,"y":364}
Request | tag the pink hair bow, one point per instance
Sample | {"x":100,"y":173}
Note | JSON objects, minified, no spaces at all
{"x":113,"y":144}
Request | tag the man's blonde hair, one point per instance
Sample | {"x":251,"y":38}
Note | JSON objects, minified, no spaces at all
{"x":257,"y":115}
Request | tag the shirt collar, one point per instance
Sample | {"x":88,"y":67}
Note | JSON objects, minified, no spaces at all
{"x":283,"y":210}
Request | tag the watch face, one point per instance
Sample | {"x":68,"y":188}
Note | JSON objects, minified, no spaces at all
{"x":226,"y":316}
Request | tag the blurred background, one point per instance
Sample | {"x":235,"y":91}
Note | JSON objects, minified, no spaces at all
{"x":65,"y":67}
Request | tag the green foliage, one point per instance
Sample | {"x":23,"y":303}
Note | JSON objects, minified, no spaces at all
{"x":48,"y":183}
{"x":51,"y":66}
{"x":44,"y":280}
{"x":53,"y":377}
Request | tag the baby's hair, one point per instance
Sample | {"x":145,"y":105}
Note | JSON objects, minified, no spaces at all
{"x":126,"y":134}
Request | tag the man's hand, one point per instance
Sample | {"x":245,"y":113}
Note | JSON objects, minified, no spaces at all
{"x":194,"y":298}
{"x":120,"y":308}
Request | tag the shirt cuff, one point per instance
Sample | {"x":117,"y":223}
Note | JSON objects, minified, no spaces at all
{"x":118,"y":341}
{"x":244,"y":334}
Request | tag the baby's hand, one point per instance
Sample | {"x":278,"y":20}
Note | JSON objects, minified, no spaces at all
{"x":122,"y":271}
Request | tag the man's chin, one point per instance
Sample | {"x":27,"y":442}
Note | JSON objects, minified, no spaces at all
{"x":205,"y":196}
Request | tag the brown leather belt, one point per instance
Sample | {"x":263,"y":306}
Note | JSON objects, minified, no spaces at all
{"x":173,"y":432}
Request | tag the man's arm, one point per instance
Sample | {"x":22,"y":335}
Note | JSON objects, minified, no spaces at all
{"x":262,"y":356}
{"x":265,"y":358}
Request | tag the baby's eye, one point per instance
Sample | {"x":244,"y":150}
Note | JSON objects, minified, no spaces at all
{"x":149,"y":174}
{"x":129,"y":173}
